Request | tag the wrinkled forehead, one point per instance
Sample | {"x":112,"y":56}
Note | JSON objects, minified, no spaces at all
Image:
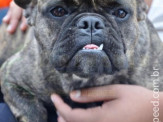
{"x":90,"y":2}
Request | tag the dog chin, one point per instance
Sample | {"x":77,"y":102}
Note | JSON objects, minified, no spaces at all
{"x":88,"y":63}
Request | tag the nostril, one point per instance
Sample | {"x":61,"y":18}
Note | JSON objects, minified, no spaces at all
{"x":98,"y":25}
{"x":85,"y":25}
{"x":90,"y":24}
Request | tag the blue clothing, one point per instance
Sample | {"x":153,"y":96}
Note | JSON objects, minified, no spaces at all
{"x":5,"y":114}
{"x":3,"y":12}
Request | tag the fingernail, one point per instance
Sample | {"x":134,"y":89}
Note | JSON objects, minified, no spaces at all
{"x":22,"y":27}
{"x":75,"y":94}
{"x":5,"y":18}
{"x":9,"y":28}
{"x":53,"y":98}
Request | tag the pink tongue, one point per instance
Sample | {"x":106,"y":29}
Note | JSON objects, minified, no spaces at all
{"x":91,"y":46}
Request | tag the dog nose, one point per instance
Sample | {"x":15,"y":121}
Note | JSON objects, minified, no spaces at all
{"x":90,"y":24}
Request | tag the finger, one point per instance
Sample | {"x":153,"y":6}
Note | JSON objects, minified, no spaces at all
{"x":74,"y":115}
{"x":104,"y":93}
{"x":12,"y":26}
{"x":24,"y":25}
{"x":14,"y":23}
{"x":60,"y":119}
{"x":16,"y":14}
{"x":7,"y":18}
{"x":61,"y":107}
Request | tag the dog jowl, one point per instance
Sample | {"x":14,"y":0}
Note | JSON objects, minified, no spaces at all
{"x":78,"y":44}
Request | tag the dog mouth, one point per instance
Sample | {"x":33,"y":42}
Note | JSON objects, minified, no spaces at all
{"x":93,"y":47}
{"x":90,"y":60}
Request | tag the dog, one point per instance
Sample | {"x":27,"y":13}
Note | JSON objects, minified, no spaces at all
{"x":79,"y":44}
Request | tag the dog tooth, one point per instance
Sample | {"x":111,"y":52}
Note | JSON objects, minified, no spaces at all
{"x":101,"y":47}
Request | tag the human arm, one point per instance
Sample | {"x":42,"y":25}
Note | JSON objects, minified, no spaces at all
{"x":122,"y":104}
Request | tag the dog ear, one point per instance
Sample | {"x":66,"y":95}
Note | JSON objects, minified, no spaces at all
{"x":142,"y":9}
{"x":29,"y":6}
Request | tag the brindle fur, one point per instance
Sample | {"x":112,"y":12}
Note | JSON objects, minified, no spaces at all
{"x":30,"y":76}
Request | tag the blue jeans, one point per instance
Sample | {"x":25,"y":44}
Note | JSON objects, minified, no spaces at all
{"x":5,"y":114}
{"x":3,"y":12}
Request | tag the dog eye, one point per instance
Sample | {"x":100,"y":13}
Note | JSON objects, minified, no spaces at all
{"x":120,"y":13}
{"x":58,"y":11}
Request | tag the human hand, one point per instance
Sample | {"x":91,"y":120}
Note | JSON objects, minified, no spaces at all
{"x":123,"y":103}
{"x":13,"y":17}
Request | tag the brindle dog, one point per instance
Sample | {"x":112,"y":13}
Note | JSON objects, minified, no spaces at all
{"x":79,"y":44}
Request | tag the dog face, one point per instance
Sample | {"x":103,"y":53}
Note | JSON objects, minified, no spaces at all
{"x":85,"y":37}
{"x":90,"y":41}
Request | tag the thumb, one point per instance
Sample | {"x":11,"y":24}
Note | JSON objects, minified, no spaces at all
{"x":104,"y":93}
